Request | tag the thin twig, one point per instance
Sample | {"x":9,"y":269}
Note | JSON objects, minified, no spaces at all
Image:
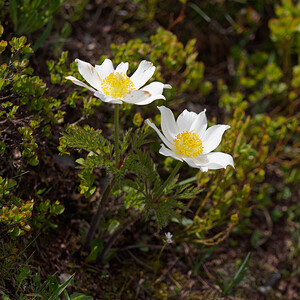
{"x":140,"y":261}
{"x":162,"y":276}
{"x":118,"y":232}
{"x":98,"y":215}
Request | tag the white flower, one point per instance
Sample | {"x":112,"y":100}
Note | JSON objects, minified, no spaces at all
{"x":169,"y":236}
{"x":114,"y":86}
{"x":188,"y":139}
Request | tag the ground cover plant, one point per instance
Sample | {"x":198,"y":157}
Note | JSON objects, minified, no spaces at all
{"x":149,"y":150}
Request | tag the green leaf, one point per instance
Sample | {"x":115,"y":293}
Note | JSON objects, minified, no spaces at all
{"x":57,"y":208}
{"x":54,"y":5}
{"x":66,"y":31}
{"x":13,"y":12}
{"x":38,"y":4}
{"x":88,"y":139}
{"x":30,"y":22}
{"x":1,"y":30}
{"x":34,"y":161}
{"x":60,"y":289}
{"x":66,"y":295}
{"x":44,"y":36}
{"x":113,"y":225}
{"x":132,"y":196}
{"x":78,"y":296}
{"x":3,"y":45}
{"x":240,"y":274}
{"x":96,"y":248}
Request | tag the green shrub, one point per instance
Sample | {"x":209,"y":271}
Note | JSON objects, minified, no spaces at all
{"x":172,"y":60}
{"x":27,"y":117}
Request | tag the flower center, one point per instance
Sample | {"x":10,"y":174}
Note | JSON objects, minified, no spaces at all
{"x":117,"y":85}
{"x":188,"y":143}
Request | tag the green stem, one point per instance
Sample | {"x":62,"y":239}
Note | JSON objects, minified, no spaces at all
{"x":117,"y":150}
{"x":171,"y":176}
{"x":97,"y":216}
{"x":187,"y":181}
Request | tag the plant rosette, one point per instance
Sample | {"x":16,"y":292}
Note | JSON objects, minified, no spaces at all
{"x":114,"y":86}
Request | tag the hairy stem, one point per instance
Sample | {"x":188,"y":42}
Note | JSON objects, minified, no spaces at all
{"x":171,"y":176}
{"x":117,"y":150}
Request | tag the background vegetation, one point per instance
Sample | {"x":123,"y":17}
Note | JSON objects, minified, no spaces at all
{"x":238,"y":237}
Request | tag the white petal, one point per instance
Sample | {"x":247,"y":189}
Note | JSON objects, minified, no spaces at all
{"x":147,"y":94}
{"x":122,"y":68}
{"x":212,"y":137}
{"x":167,"y":152}
{"x":200,"y":124}
{"x":200,"y":160}
{"x":108,"y":99}
{"x":185,"y":120}
{"x":218,"y":160}
{"x":78,"y":82}
{"x":191,"y":162}
{"x":168,"y":235}
{"x":214,"y":160}
{"x":137,"y":96}
{"x":196,"y":162}
{"x":156,"y":88}
{"x":89,"y":73}
{"x":151,"y":99}
{"x":162,"y":137}
{"x":168,"y":124}
{"x":105,"y":68}
{"x":142,"y":74}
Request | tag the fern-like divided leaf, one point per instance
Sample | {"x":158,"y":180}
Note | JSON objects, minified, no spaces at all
{"x":164,"y":210}
{"x":91,"y":161}
{"x":89,"y":139}
{"x":139,"y":137}
{"x":186,"y":191}
{"x":145,"y":181}
{"x":124,"y":144}
{"x":143,"y":169}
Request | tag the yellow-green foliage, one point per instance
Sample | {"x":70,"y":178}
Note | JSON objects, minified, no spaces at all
{"x":61,"y":69}
{"x":285,"y":28}
{"x":254,"y":141}
{"x":172,"y":59}
{"x":29,"y":16}
{"x":14,"y":212}
{"x":27,"y":115}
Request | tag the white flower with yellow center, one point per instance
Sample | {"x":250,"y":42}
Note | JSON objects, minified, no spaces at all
{"x":114,"y":86}
{"x":189,"y":140}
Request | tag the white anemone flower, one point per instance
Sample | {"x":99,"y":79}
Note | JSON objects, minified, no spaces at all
{"x":189,"y":140}
{"x":169,"y":236}
{"x":114,"y":86}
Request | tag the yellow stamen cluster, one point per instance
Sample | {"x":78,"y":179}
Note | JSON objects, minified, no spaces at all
{"x":188,"y":143}
{"x":117,"y":85}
